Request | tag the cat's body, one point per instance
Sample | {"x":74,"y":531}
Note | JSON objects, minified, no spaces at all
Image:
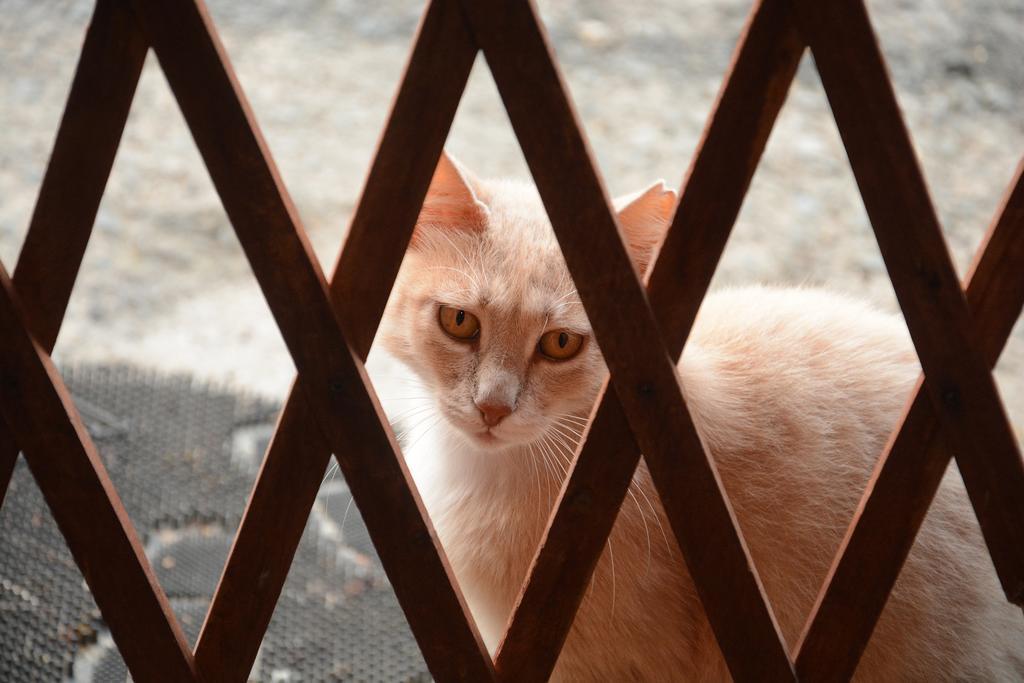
{"x":794,"y":392}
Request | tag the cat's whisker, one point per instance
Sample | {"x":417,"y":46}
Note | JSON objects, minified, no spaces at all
{"x":532,"y":457}
{"x":421,"y":406}
{"x":556,"y":452}
{"x":576,"y":427}
{"x":562,"y":305}
{"x":577,"y":422}
{"x":654,"y":513}
{"x":547,"y":471}
{"x":611,"y":561}
{"x":565,"y":468}
{"x":454,"y":246}
{"x":456,"y":292}
{"x":545,"y":451}
{"x":647,"y":531}
{"x":460,"y":272}
{"x":401,"y":420}
{"x":555,"y":482}
{"x":574,"y":419}
{"x":571,"y":292}
{"x":569,"y":428}
{"x":426,"y":431}
{"x":330,"y":470}
{"x":570,"y":434}
{"x":568,"y":445}
{"x":561,"y":437}
{"x":422,"y":420}
{"x":344,"y":517}
{"x":404,"y":426}
{"x":465,"y":260}
{"x":570,"y":439}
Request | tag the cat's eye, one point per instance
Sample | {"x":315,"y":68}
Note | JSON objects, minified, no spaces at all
{"x":560,"y":344}
{"x":458,"y":323}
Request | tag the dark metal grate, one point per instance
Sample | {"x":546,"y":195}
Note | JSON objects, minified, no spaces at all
{"x":187,"y":454}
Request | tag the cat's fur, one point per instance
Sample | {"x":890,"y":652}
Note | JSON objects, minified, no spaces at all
{"x":794,"y":391}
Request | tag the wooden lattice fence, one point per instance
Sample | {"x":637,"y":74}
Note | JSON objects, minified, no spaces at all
{"x":328,"y":327}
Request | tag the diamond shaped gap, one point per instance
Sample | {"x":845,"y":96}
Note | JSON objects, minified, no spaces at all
{"x":791,"y":246}
{"x":318,"y":79}
{"x":32,"y":107}
{"x":784,"y":234}
{"x":177,"y":465}
{"x":960,"y":105}
{"x":930,"y":583}
{"x":630,"y":66}
{"x":337,"y":613}
{"x":803,"y":221}
{"x":468,"y":272}
{"x":440,"y":23}
{"x":164,"y":274}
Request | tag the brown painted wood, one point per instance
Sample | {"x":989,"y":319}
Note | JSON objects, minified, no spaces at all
{"x":60,"y":456}
{"x":995,"y":279}
{"x":403,"y":166}
{"x":294,"y":464}
{"x":40,"y":413}
{"x":90,"y":130}
{"x":909,"y":472}
{"x":642,"y":372}
{"x":716,"y":184}
{"x":8,"y":459}
{"x":333,"y":380}
{"x":959,"y":382}
{"x":332,"y":404}
{"x":587,"y":507}
{"x":761,"y":72}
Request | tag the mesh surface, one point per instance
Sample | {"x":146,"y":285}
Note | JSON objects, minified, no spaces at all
{"x":184,"y":457}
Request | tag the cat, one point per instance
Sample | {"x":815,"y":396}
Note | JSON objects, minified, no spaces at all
{"x":794,"y":391}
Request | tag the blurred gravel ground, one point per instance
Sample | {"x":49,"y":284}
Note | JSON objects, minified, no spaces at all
{"x":165,"y":285}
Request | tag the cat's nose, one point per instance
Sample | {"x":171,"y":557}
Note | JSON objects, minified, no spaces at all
{"x":494,"y":412}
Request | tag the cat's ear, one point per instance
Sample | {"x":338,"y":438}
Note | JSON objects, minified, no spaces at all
{"x":453,"y":202}
{"x":644,"y":218}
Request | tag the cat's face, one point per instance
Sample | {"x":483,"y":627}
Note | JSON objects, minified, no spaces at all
{"x":485,"y":312}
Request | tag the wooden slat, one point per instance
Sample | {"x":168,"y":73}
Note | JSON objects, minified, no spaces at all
{"x":332,"y":403}
{"x":761,"y":72}
{"x":60,"y":456}
{"x":333,"y":380}
{"x":908,"y":474}
{"x":294,"y":464}
{"x":959,"y":382}
{"x":642,"y":372}
{"x":8,"y":459}
{"x":87,"y":140}
{"x":403,"y":166}
{"x":995,"y":279}
{"x":711,"y":196}
{"x":74,"y":482}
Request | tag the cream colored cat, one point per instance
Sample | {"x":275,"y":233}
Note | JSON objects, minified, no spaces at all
{"x":794,"y":391}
